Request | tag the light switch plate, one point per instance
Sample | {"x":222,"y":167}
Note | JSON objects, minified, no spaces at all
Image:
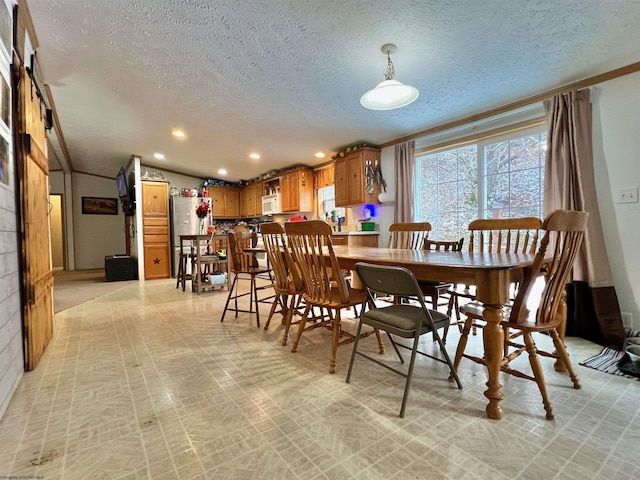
{"x":627,"y":195}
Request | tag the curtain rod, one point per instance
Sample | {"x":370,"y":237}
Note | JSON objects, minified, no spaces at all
{"x":587,"y":82}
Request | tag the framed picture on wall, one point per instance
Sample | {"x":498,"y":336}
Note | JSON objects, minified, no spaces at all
{"x":99,"y":206}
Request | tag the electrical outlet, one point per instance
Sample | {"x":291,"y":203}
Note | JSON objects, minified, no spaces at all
{"x":627,"y":320}
{"x":627,"y":195}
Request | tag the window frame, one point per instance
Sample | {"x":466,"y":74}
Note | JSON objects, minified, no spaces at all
{"x":480,"y":141}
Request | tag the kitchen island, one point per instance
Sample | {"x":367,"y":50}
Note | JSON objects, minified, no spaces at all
{"x":356,"y":238}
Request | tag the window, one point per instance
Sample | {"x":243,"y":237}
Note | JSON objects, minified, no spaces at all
{"x":495,"y":178}
{"x":326,"y":201}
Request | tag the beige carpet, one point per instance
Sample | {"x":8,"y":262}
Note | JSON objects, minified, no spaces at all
{"x":71,"y":288}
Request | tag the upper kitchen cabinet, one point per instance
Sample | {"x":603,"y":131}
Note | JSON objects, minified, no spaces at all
{"x":225,"y":201}
{"x":296,"y":189}
{"x":251,"y":200}
{"x":350,"y":172}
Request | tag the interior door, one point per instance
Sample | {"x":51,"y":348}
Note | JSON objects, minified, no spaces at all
{"x":155,"y":230}
{"x":33,"y":187}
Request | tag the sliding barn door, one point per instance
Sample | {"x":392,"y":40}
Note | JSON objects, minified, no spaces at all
{"x":33,"y":169}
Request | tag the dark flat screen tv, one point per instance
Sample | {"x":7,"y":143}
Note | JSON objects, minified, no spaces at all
{"x":124,"y":193}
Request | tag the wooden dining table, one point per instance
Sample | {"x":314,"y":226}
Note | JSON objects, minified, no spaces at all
{"x":491,"y":273}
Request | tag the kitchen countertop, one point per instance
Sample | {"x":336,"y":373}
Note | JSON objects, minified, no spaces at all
{"x":375,"y":232}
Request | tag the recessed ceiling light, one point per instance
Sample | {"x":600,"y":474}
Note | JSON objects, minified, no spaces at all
{"x":158,"y":156}
{"x":176,"y":132}
{"x":255,"y":156}
{"x":320,"y":154}
{"x":222,"y":171}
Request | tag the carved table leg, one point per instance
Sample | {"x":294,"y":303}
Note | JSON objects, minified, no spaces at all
{"x":492,"y":337}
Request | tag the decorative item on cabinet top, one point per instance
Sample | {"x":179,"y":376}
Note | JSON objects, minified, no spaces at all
{"x":216,"y":182}
{"x":152,"y":174}
{"x":351,"y":149}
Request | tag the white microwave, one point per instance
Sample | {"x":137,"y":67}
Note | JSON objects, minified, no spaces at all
{"x":271,"y":204}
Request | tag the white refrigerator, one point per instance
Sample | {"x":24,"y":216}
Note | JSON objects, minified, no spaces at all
{"x":184,"y":221}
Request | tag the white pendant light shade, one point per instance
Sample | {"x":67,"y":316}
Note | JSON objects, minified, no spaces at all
{"x":390,"y":93}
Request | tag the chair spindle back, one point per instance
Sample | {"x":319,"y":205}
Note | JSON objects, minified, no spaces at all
{"x":564,"y":232}
{"x":279,"y":257}
{"x":408,"y":236}
{"x":312,"y":251}
{"x":507,"y":235}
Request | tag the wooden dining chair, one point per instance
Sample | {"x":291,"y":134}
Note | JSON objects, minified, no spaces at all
{"x":324,"y":283}
{"x":414,"y":236}
{"x":436,"y":290}
{"x":244,"y":266}
{"x":288,"y":284}
{"x":494,"y":235}
{"x":408,"y":235}
{"x":407,"y":320}
{"x":563,"y":234}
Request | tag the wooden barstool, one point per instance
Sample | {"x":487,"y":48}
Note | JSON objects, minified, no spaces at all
{"x":182,"y":276}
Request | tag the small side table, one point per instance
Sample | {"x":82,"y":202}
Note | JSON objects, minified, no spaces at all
{"x":118,"y":268}
{"x":198,"y":245}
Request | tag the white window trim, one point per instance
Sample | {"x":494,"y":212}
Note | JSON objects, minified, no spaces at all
{"x":480,"y":142}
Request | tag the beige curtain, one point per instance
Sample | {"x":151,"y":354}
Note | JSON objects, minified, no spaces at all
{"x":593,"y":307}
{"x":404,"y":169}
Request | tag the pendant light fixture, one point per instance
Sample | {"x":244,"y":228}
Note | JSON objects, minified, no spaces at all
{"x":390,"y":93}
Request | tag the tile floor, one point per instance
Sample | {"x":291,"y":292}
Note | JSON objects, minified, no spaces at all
{"x":146,"y":382}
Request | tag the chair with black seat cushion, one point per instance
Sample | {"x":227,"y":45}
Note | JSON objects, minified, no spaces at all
{"x":405,"y":320}
{"x":324,"y":283}
{"x":538,"y":309}
{"x":244,"y":266}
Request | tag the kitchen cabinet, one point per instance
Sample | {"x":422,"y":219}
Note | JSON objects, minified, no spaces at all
{"x":350,"y":177}
{"x":324,"y":177}
{"x":225,"y":201}
{"x":296,"y":190}
{"x":243,"y":201}
{"x":251,"y":200}
{"x":258,"y":193}
{"x":155,"y":230}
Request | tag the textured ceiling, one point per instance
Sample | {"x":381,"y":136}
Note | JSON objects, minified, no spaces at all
{"x":284,"y":77}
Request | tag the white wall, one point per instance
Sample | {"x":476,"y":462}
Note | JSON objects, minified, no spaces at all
{"x":11,"y":354}
{"x":182,"y":181}
{"x":96,"y":236}
{"x":616,"y":152}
